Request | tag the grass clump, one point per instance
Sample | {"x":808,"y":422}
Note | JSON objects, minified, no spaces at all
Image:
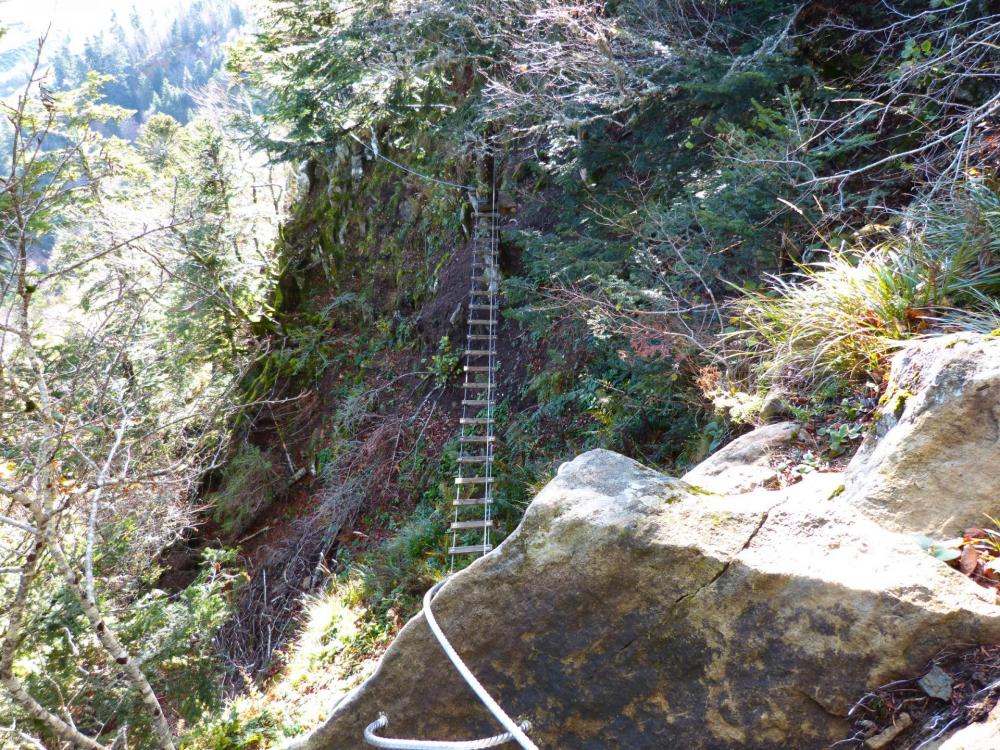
{"x":839,"y":319}
{"x":239,"y":727}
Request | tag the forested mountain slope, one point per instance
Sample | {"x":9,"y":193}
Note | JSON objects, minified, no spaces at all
{"x":154,"y":71}
{"x":714,"y":213}
{"x":157,"y":60}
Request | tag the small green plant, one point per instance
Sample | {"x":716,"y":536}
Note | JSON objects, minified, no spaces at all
{"x":324,"y":456}
{"x":841,"y":436}
{"x":976,"y":553}
{"x":808,"y":463}
{"x":849,"y":409}
{"x":945,"y":551}
{"x":914,"y":51}
{"x":444,"y":364}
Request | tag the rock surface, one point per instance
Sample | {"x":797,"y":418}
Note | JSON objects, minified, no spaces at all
{"x":627,"y":612}
{"x":775,"y":405}
{"x":633,"y":610}
{"x":982,"y":736}
{"x":930,"y":467}
{"x":746,"y":462}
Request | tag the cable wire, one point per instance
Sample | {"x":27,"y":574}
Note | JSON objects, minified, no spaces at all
{"x":374,"y":151}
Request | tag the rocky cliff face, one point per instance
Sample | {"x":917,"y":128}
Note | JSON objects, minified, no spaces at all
{"x":635,"y":610}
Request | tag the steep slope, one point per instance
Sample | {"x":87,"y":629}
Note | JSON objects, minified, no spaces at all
{"x":655,"y":169}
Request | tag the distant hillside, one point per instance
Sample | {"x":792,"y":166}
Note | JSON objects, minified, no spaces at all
{"x":154,"y":71}
{"x":156,"y":64}
{"x":66,"y":23}
{"x":14,"y":58}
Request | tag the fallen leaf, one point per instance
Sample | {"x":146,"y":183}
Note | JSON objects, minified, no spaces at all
{"x":970,"y":557}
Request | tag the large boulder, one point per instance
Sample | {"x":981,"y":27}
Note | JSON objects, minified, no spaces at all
{"x":932,"y":463}
{"x":746,"y":463}
{"x":629,"y":611}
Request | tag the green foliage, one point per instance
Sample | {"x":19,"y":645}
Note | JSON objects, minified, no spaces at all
{"x":233,"y":729}
{"x":389,"y":581}
{"x":945,"y":551}
{"x":840,"y":436}
{"x":840,"y":317}
{"x":249,"y":483}
{"x":444,"y":363}
{"x":173,"y":634}
{"x":135,"y":276}
{"x":808,"y":463}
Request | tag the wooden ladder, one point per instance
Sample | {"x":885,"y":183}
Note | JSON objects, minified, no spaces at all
{"x":472,"y":524}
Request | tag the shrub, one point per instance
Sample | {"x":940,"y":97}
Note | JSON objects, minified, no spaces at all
{"x":248,"y":487}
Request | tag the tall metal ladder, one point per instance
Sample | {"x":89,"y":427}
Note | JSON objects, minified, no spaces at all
{"x":473,"y":521}
{"x":473,"y":518}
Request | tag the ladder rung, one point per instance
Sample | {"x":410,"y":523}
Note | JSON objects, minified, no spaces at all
{"x":473,"y":480}
{"x":478,"y":439}
{"x":470,"y":549}
{"x":474,"y":459}
{"x":482,"y":322}
{"x":480,"y":291}
{"x":483,"y":368}
{"x":482,"y":307}
{"x":479,"y":336}
{"x":478,"y":352}
{"x":479,"y":523}
{"x":476,"y":402}
{"x":476,"y":420}
{"x":463,"y":501}
{"x":479,"y":385}
{"x":486,"y":279}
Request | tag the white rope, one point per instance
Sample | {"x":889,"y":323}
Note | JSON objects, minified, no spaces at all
{"x":396,"y":744}
{"x":514,"y":731}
